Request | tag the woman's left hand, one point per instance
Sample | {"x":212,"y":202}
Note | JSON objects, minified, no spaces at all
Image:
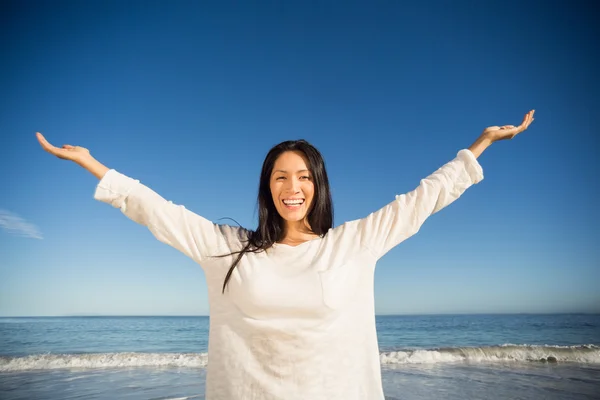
{"x":495,"y":133}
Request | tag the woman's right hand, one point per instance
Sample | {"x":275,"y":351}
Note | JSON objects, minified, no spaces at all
{"x":67,"y":152}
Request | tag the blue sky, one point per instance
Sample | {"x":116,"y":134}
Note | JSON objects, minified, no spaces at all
{"x":188,"y":97}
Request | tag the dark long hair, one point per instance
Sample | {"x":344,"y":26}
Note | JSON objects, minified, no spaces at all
{"x":270,"y":224}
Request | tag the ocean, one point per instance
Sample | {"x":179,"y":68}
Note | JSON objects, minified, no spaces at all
{"x":423,"y":357}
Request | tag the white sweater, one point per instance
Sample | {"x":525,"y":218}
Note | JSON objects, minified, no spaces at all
{"x":295,"y":323}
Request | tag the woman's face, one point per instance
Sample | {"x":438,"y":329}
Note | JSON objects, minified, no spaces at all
{"x":292,"y":186}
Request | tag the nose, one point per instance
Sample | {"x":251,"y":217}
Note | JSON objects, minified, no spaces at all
{"x":293,"y":185}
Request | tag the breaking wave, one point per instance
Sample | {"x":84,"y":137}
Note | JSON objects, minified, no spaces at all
{"x":589,"y":354}
{"x":103,"y":360}
{"x":506,"y":352}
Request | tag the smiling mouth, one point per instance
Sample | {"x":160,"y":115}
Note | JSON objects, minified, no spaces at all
{"x":293,"y":203}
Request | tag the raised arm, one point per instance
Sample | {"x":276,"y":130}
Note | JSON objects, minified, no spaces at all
{"x":170,"y":223}
{"x":402,"y":218}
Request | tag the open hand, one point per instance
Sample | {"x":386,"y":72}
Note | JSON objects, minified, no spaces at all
{"x":495,"y":133}
{"x":67,"y":152}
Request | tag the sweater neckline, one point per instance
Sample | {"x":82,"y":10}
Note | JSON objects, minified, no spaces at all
{"x":288,"y":246}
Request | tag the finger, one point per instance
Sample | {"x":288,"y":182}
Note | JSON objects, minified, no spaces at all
{"x":68,"y":146}
{"x":526,"y":121}
{"x":45,"y":145}
{"x":55,"y":151}
{"x":41,"y":138}
{"x":529,"y":118}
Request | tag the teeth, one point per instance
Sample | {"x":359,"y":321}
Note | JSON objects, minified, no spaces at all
{"x":293,"y":202}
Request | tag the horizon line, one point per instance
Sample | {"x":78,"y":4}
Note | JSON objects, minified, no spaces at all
{"x":377,"y":315}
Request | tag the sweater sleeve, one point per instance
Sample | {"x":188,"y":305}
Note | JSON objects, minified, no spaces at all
{"x":173,"y":224}
{"x":402,"y":218}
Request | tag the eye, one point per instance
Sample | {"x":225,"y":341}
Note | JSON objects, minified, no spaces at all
{"x":305,"y":177}
{"x":280,"y":178}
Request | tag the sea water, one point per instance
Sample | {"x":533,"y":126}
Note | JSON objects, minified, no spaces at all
{"x":422,"y":357}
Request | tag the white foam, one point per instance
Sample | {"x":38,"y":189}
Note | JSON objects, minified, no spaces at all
{"x":507,"y":352}
{"x":103,"y":360}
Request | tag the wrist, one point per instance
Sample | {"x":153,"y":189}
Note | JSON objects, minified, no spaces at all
{"x":95,"y":167}
{"x":486,"y":138}
{"x":479,"y":146}
{"x":84,"y":160}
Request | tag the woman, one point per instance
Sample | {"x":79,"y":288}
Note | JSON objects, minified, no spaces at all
{"x":291,"y":304}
